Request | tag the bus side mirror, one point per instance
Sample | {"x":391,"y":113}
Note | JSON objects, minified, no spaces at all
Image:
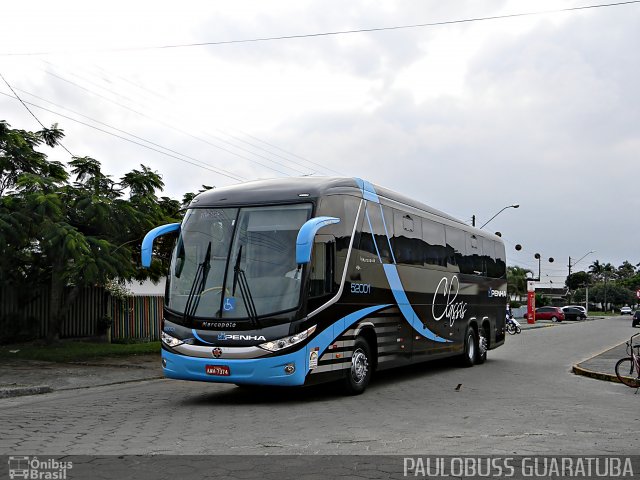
{"x":147,"y":242}
{"x":307,"y":232}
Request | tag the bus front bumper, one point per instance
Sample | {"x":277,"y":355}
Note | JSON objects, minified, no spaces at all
{"x":258,"y":371}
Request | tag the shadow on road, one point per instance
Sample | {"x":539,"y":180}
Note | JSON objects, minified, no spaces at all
{"x":261,"y":395}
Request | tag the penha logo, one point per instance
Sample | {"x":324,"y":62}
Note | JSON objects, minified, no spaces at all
{"x":497,"y":293}
{"x":224,"y":337}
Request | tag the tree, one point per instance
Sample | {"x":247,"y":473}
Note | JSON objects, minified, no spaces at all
{"x":625,"y":271}
{"x":578,"y":280}
{"x":611,"y":294}
{"x":70,"y":235}
{"x":602,"y":272}
{"x":596,"y":270}
{"x":517,"y":282}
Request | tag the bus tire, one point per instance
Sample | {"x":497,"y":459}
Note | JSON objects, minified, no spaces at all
{"x":359,"y":374}
{"x":483,"y":346}
{"x":468,"y":358}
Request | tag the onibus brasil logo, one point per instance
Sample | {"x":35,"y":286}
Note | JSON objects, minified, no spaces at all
{"x":33,"y":468}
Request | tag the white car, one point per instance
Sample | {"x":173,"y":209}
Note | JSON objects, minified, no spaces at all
{"x":626,"y":311}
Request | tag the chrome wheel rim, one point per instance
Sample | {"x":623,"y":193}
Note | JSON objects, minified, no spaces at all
{"x":359,"y":366}
{"x":471,"y":353}
{"x":482,"y":344}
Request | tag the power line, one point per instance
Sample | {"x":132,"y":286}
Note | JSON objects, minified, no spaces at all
{"x":212,"y":169}
{"x":253,"y":153}
{"x":340,"y":32}
{"x":219,"y":170}
{"x":285,"y":151}
{"x":29,"y":110}
{"x":147,"y":90}
{"x":166,"y":124}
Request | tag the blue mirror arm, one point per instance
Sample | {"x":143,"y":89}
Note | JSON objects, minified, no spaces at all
{"x":307,"y":232}
{"x":147,"y":242}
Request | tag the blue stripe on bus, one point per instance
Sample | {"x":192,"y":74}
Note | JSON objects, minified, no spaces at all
{"x":399,"y":294}
{"x":386,"y":232}
{"x":368,"y":191}
{"x":373,"y":237}
{"x":195,"y":334}
{"x":266,"y":370}
{"x":391,"y":271}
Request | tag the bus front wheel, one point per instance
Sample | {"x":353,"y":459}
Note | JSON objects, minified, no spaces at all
{"x":359,"y":373}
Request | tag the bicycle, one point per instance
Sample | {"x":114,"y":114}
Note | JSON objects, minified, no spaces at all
{"x":628,"y":368}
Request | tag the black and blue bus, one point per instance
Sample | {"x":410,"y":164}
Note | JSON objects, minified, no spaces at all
{"x":297,"y":281}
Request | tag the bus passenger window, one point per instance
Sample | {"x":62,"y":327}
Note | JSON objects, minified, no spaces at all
{"x":408,"y":247}
{"x":434,"y":243}
{"x":456,"y":250}
{"x":501,"y":260}
{"x":489,"y":256}
{"x":474,"y":255}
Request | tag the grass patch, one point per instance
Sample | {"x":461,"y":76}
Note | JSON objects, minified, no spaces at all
{"x":75,"y":351}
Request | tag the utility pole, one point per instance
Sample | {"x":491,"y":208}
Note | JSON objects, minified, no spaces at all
{"x":473,"y":220}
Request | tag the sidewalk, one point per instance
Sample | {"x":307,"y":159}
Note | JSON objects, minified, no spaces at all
{"x":29,"y":377}
{"x":602,"y":366}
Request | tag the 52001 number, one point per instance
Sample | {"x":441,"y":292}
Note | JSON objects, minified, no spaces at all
{"x":360,"y":288}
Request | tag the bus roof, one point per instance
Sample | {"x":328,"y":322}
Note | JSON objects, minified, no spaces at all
{"x":295,"y":189}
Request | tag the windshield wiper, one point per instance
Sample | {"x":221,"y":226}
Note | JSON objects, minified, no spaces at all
{"x":239,"y":277}
{"x":199,"y":282}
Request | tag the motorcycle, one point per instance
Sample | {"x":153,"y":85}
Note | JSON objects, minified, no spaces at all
{"x":512,"y":326}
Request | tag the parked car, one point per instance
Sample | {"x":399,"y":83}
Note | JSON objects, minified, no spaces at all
{"x":626,"y":311}
{"x":579,"y":307}
{"x":636,"y":319}
{"x":555,"y":314}
{"x":573,"y":313}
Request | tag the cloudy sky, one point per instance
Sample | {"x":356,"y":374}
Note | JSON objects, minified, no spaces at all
{"x":540,"y":110}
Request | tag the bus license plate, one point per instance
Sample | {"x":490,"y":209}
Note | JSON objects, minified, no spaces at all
{"x":218,"y":370}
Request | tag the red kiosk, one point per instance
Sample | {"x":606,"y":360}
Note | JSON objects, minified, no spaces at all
{"x":531,"y":302}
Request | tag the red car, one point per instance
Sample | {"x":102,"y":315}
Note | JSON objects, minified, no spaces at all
{"x":555,"y":314}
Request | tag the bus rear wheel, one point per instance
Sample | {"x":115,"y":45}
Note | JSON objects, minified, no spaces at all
{"x":359,"y":374}
{"x":468,"y":358}
{"x":483,"y":346}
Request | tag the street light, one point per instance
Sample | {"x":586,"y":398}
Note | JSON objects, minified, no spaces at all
{"x":515,"y":205}
{"x":537,"y":257}
{"x":586,"y":299}
{"x":581,"y":258}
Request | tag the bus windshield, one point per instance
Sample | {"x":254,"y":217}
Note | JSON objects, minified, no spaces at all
{"x":237,"y":262}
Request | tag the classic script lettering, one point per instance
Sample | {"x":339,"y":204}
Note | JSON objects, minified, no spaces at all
{"x":453,"y":310}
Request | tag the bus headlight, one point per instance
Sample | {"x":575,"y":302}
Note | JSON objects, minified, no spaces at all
{"x":170,"y":341}
{"x":286,"y":342}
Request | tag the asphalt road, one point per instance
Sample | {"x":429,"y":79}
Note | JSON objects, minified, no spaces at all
{"x":523,"y":401}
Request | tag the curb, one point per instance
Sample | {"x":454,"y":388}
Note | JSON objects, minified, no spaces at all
{"x":585,"y":372}
{"x":148,"y":379}
{"x":533,"y":327}
{"x":22,"y":390}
